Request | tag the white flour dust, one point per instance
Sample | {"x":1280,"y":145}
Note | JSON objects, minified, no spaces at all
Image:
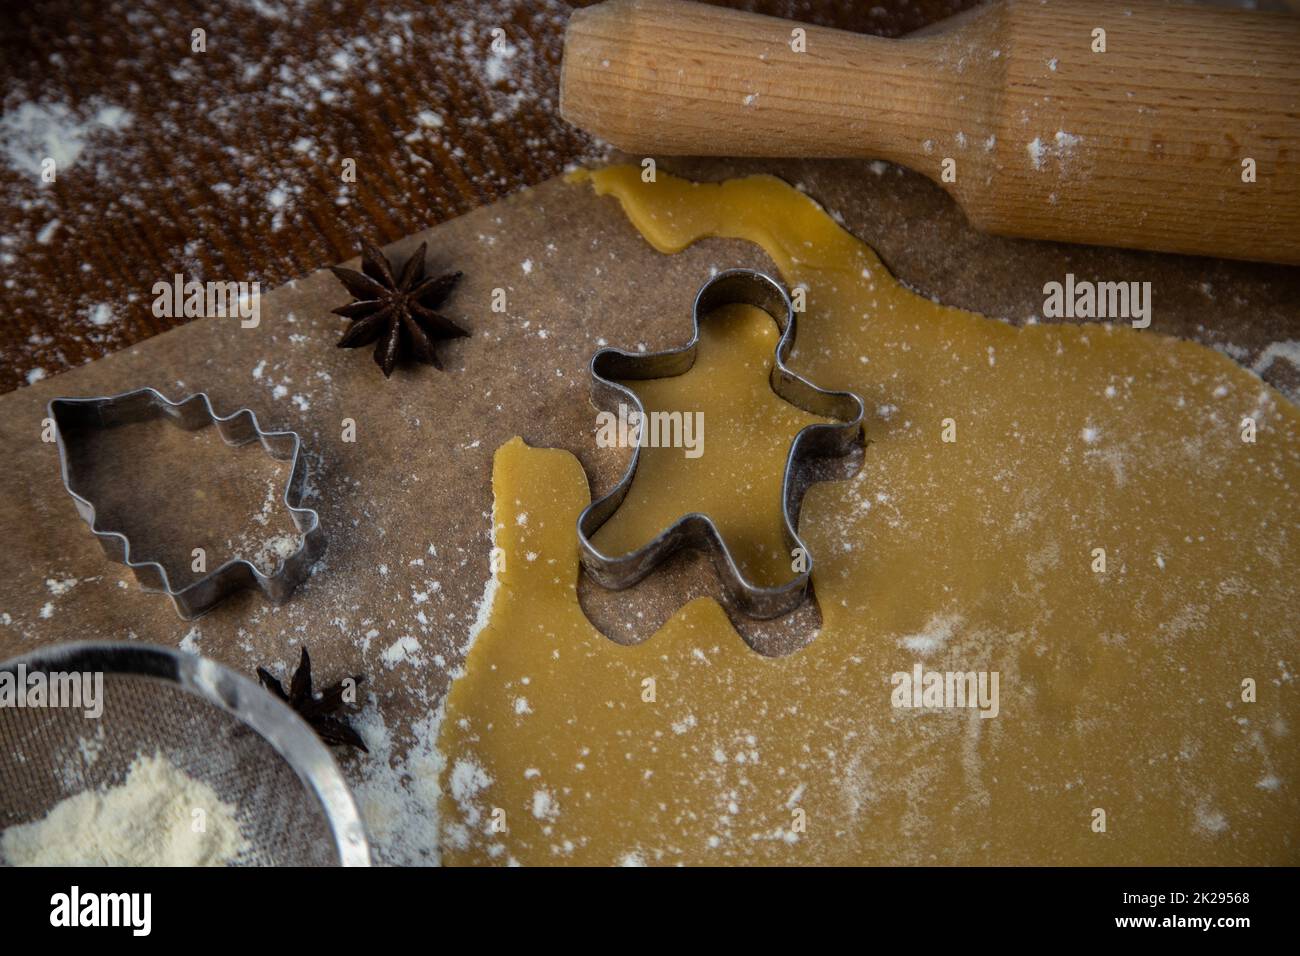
{"x":37,"y":131}
{"x":148,"y":820}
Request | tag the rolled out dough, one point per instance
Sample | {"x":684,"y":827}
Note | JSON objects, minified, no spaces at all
{"x":1121,"y":691}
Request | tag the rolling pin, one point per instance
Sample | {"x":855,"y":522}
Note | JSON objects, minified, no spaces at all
{"x":1143,"y":124}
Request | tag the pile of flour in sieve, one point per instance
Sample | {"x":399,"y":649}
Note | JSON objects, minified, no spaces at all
{"x":148,"y":820}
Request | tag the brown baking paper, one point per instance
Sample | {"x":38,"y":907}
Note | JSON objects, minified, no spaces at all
{"x":407,"y":505}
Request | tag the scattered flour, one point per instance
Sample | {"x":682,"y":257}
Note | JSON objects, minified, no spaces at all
{"x":1210,"y":821}
{"x":37,"y":131}
{"x":496,"y":67}
{"x":266,"y":555}
{"x":938,"y":631}
{"x":1288,"y":351}
{"x":100,"y":314}
{"x":190,"y":642}
{"x":399,"y":791}
{"x":1064,"y":145}
{"x":1036,"y":150}
{"x":404,"y":649}
{"x":544,"y":807}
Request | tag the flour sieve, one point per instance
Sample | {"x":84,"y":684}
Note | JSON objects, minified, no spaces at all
{"x":220,"y":728}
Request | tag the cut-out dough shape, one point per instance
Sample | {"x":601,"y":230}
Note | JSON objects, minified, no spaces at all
{"x":724,"y":396}
{"x":1120,"y":690}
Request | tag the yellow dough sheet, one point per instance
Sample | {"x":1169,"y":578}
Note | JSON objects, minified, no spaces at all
{"x":1103,"y":518}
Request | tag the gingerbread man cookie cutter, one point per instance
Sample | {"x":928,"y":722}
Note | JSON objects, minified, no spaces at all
{"x":610,"y":366}
{"x":239,"y":428}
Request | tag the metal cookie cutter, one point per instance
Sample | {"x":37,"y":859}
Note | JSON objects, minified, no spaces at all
{"x":743,"y":286}
{"x":239,"y":428}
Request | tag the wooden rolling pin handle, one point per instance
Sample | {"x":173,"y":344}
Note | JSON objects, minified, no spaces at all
{"x":1144,"y":124}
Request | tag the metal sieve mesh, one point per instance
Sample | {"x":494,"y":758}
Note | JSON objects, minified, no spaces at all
{"x":218,"y":727}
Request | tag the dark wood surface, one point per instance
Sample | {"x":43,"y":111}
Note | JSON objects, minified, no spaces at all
{"x":230,"y":165}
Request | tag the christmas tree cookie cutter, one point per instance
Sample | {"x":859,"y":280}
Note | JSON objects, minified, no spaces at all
{"x":819,"y":441}
{"x":239,"y":428}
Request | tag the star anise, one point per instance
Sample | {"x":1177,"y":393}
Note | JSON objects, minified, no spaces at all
{"x":396,"y":310}
{"x":317,"y":711}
